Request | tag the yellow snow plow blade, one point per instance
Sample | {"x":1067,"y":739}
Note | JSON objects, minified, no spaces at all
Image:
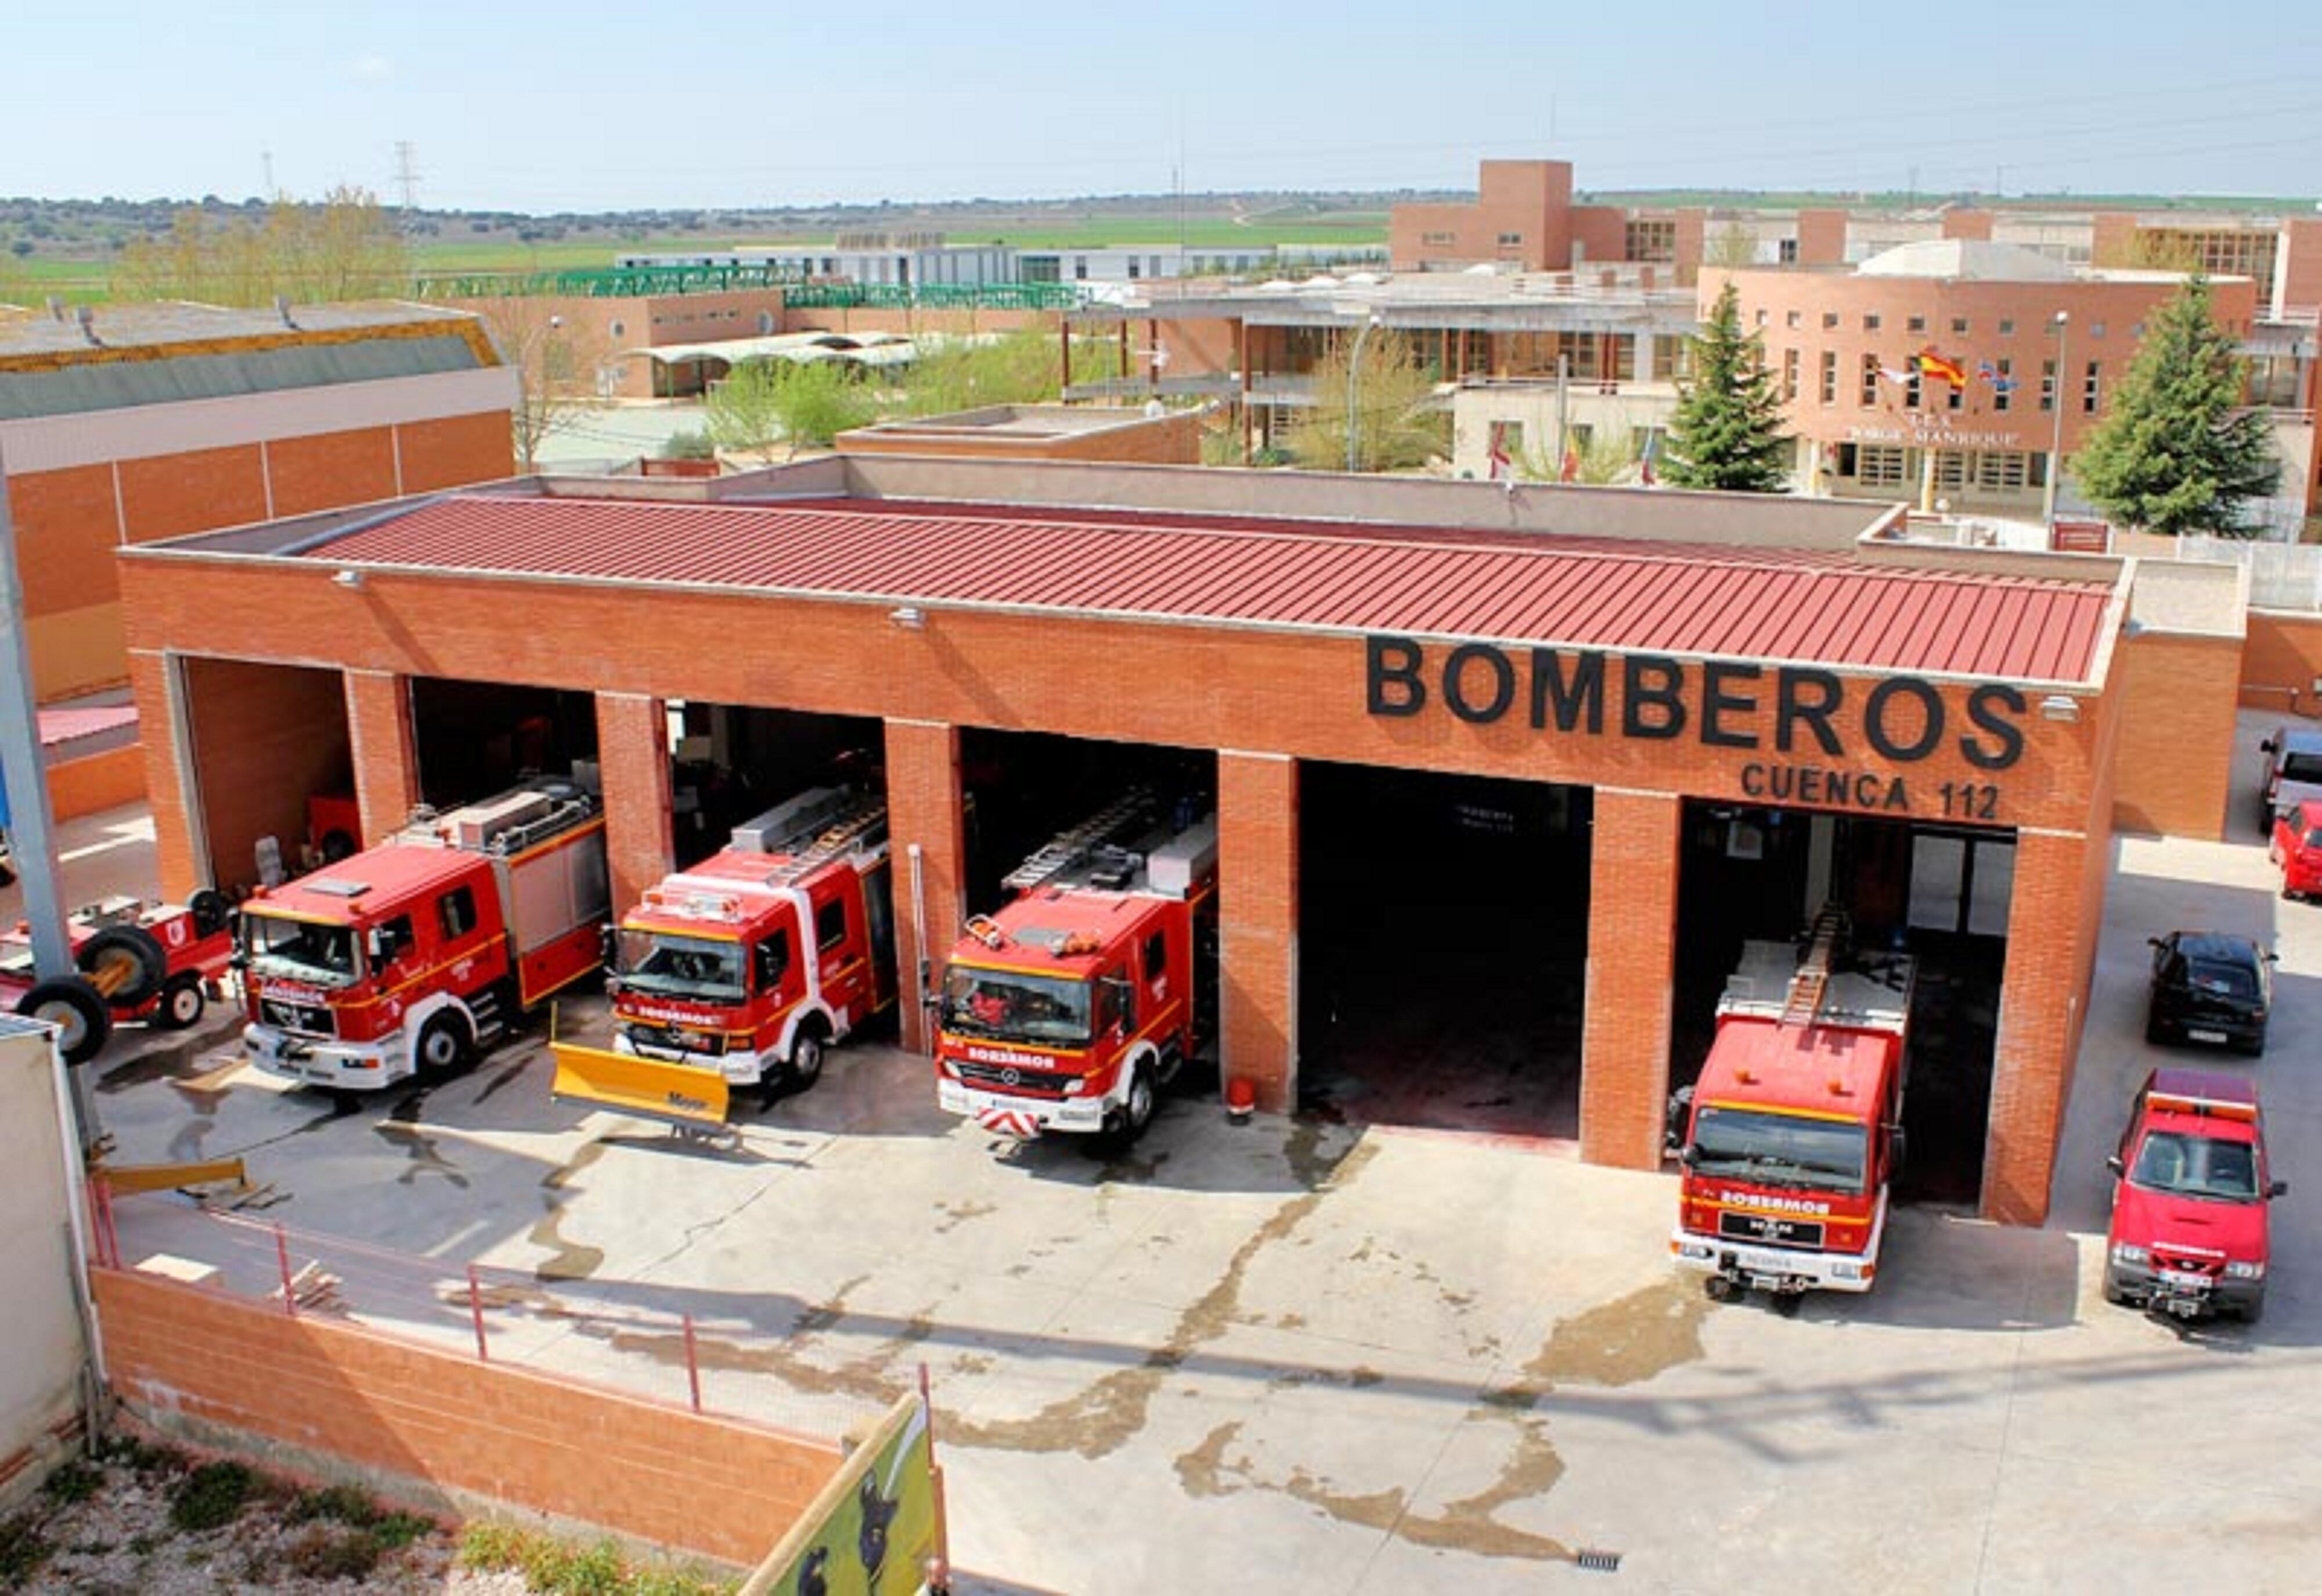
{"x":680,"y":1094}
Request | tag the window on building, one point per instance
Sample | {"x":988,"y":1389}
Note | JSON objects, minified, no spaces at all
{"x":2096,"y":329}
{"x":1789,"y":377}
{"x":1879,"y":465}
{"x":2047,"y":385}
{"x":1959,"y":324}
{"x":2000,"y":471}
{"x":1829,"y":320}
{"x":1507,"y":441}
{"x":2136,"y":330}
{"x":1787,"y":253}
{"x":1830,"y":377}
{"x":2007,"y":327}
{"x":1761,"y":318}
{"x":2003,"y":391}
{"x":2089,"y":390}
{"x":1950,"y":469}
{"x":1791,"y":318}
{"x":1132,"y":269}
{"x":1510,"y":240}
{"x":1654,"y":242}
{"x":1911,"y":390}
{"x":1958,"y":397}
{"x":1080,"y":267}
{"x":1870,"y":321}
{"x":1870,"y":393}
{"x":1438,"y":241}
{"x":1917,"y":324}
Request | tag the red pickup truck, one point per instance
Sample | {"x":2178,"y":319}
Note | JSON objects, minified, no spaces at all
{"x":2192,"y":1188}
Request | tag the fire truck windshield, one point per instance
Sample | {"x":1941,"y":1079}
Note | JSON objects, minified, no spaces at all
{"x":2196,"y":1166}
{"x":1016,"y":1008}
{"x":300,"y":950}
{"x":670,"y":966}
{"x":1777,"y":1149}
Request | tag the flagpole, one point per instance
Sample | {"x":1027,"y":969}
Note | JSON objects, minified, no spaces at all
{"x":2056,"y":424}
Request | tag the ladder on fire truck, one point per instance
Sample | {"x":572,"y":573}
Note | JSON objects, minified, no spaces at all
{"x":1133,"y":808}
{"x":825,"y":836}
{"x":1804,"y":999}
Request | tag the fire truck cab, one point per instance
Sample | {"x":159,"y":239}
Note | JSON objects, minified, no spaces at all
{"x":741,"y":970}
{"x":1793,"y":1132}
{"x":406,"y":958}
{"x":1083,"y":997}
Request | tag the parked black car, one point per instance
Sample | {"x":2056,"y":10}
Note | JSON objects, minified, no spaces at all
{"x":2208,"y":986}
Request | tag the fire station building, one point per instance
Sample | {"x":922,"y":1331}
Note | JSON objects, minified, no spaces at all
{"x":1505,"y":776}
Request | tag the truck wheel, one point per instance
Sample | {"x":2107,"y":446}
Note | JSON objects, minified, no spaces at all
{"x":82,"y":1020}
{"x":2252,"y":1310}
{"x":125,"y":963}
{"x":211,"y":910}
{"x":442,"y":1050}
{"x":805,"y":1067}
{"x":1136,"y":1113}
{"x":182,"y":1002}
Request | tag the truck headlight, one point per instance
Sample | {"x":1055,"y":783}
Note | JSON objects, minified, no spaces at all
{"x":2240,"y":1269}
{"x":2123,"y":1253}
{"x":1841,"y":1271}
{"x":1075,"y":1086}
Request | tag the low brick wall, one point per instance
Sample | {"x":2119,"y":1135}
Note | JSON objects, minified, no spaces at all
{"x":2280,"y":661}
{"x":329,"y":1393}
{"x":101,"y":782}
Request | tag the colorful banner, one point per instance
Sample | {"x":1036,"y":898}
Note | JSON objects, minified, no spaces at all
{"x":876,"y":1528}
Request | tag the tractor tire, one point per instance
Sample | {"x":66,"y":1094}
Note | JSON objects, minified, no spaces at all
{"x":183,"y":1002}
{"x":212,"y":911}
{"x":125,"y":963}
{"x":78,"y":1012}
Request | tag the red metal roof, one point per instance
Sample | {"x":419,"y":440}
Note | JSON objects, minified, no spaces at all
{"x":1614,"y":594}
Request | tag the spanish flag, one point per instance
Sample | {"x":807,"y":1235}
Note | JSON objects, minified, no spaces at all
{"x":1932,"y":364}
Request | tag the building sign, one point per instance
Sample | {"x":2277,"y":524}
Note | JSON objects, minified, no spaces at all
{"x":1810,"y":733}
{"x":1934,"y":430}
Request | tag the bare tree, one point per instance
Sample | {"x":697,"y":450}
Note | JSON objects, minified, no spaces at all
{"x":345,"y":247}
{"x":556,"y":361}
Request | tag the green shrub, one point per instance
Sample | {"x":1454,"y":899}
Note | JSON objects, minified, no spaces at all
{"x":73,"y":1481}
{"x":23,"y":1549}
{"x":322,"y":1552}
{"x":212,"y":1497}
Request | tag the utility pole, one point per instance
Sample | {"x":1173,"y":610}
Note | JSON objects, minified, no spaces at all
{"x":25,"y":777}
{"x":407,"y":178}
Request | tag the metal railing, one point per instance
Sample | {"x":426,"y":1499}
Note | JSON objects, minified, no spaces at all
{"x":618,"y":1335}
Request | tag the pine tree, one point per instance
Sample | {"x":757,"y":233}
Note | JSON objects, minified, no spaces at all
{"x":1727,"y":430}
{"x":2180,"y":451}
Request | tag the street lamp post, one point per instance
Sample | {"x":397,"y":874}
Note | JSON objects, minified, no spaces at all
{"x":1354,"y":372}
{"x":2061,"y":322}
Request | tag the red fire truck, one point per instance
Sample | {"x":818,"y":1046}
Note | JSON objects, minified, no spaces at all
{"x":406,"y":958}
{"x":1084,"y":997}
{"x":741,"y":970}
{"x":1794,"y":1129}
{"x":155,"y":962}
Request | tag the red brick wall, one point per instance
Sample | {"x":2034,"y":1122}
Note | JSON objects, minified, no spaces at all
{"x":632,"y":752}
{"x":102,"y":781}
{"x":66,"y":530}
{"x":923,"y":807}
{"x":384,"y":761}
{"x":1600,"y":233}
{"x":716,"y":1487}
{"x":171,"y":494}
{"x":2177,"y":733}
{"x":1257,"y":923}
{"x":1822,"y":238}
{"x":1632,"y":947}
{"x":2281,"y":655}
{"x":2297,"y":265}
{"x":455,"y":450}
{"x":157,"y":735}
{"x":2042,"y":997}
{"x":330,"y":470}
{"x":266,"y":738}
{"x":1968,"y":224}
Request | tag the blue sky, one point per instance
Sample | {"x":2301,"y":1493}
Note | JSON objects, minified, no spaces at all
{"x":672,"y":102}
